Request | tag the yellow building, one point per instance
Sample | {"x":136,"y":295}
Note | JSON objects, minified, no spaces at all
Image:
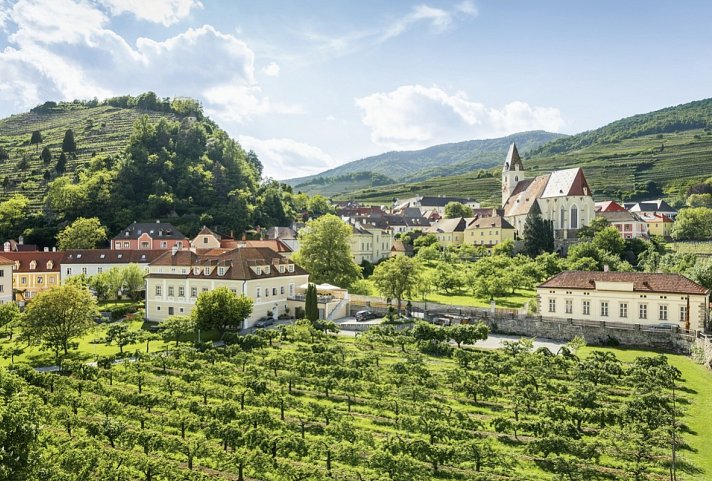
{"x":178,"y":277}
{"x":625,"y":297}
{"x":370,"y":243}
{"x":449,"y":232}
{"x":659,"y":225}
{"x":34,"y":272}
{"x":488,"y":231}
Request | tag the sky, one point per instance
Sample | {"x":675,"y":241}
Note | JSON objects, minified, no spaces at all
{"x":310,"y":85}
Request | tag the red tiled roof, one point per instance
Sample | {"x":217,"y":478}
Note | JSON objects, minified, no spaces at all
{"x":26,"y":258}
{"x":642,"y":281}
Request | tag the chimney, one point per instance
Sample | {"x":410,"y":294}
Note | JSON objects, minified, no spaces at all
{"x":46,"y":249}
{"x":54,"y":249}
{"x":606,"y":268}
{"x":6,"y":246}
{"x":21,"y":240}
{"x":174,"y":249}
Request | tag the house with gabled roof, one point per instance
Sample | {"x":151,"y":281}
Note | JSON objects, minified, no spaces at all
{"x":449,"y":231}
{"x":149,"y":236}
{"x":563,"y":197}
{"x":34,"y":272}
{"x":488,"y":231}
{"x":90,"y":262}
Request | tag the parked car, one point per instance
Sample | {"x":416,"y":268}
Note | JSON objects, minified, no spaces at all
{"x":264,"y":322}
{"x":365,"y":315}
{"x":665,"y":326}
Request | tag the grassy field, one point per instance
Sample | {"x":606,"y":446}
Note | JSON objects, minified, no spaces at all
{"x":613,"y":170}
{"x":703,"y":248}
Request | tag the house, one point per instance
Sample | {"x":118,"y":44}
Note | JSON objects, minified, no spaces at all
{"x":91,"y":262}
{"x":488,"y":231}
{"x":563,"y":197}
{"x":629,"y":224}
{"x":177,"y":277}
{"x":449,"y":231}
{"x":287,"y":235}
{"x":34,"y":272}
{"x":149,"y":236}
{"x":18,"y":246}
{"x":626,"y":297}
{"x":658,"y":225}
{"x":400,"y":248}
{"x":6,"y":266}
{"x":371,"y":240}
{"x":652,"y":207}
{"x":432,"y":203}
{"x":609,"y":206}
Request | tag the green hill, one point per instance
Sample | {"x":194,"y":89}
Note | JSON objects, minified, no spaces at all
{"x":653,"y":154}
{"x":136,"y":158}
{"x":412,"y":166}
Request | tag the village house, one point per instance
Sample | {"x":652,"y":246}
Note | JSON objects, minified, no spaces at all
{"x":652,"y":207}
{"x":432,"y":204}
{"x":629,"y":224}
{"x":90,"y":262}
{"x":149,"y":236}
{"x":658,"y":225}
{"x":449,"y":232}
{"x":370,"y":240}
{"x":34,"y":272}
{"x":563,"y":197}
{"x":6,"y":266}
{"x":178,"y":277}
{"x":488,"y":231}
{"x":627,"y":297}
{"x":400,"y":248}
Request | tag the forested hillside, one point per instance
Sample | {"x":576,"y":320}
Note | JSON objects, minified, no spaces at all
{"x":435,"y":161}
{"x":649,"y":155}
{"x":130,"y":158}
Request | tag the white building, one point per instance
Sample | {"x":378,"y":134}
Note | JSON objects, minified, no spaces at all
{"x":562,"y":197}
{"x":91,"y":262}
{"x":6,"y":266}
{"x":626,"y":297}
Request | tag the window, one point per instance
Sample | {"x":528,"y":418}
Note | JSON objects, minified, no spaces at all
{"x":281,"y":269}
{"x":2,"y":272}
{"x":258,"y":270}
{"x":206,"y":270}
{"x":118,"y":245}
{"x":291,"y":289}
{"x":164,"y":244}
{"x":193,"y":292}
{"x":643,"y":311}
{"x":552,"y":305}
{"x":33,"y":265}
{"x":181,"y":291}
{"x":40,"y":280}
{"x":281,"y":290}
{"x":623,"y":309}
{"x":84,"y":270}
{"x":683,"y":313}
{"x":663,"y":313}
{"x":258,"y":293}
{"x":574,"y":217}
{"x":569,"y":306}
{"x":290,"y":268}
{"x":170,"y":310}
{"x":221,"y":271}
{"x":205,"y":289}
{"x":562,"y":220}
{"x":586,"y":308}
{"x":144,"y":244}
{"x":99,"y":270}
{"x":69,"y":271}
{"x":233,"y":290}
{"x":51,"y":280}
{"x":266,"y":291}
{"x":205,"y":240}
{"x":126,"y":245}
{"x":274,"y":291}
{"x":266,"y":269}
{"x":170,"y":291}
{"x":158,"y":290}
{"x":2,"y":288}
{"x":158,"y":308}
{"x":604,"y":308}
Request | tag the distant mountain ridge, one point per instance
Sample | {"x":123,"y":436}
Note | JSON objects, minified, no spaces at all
{"x":438,"y":160}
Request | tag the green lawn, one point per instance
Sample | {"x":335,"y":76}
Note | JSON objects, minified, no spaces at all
{"x":512,"y":301}
{"x":698,"y":381}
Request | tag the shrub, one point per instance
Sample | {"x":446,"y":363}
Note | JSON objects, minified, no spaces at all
{"x":435,"y":348}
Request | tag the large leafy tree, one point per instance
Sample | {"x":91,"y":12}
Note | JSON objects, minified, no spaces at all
{"x":397,"y":277}
{"x":457,"y":209}
{"x":176,"y":327}
{"x":58,"y":315}
{"x":220,"y":309}
{"x":538,"y":234}
{"x":325,"y":252}
{"x":609,"y":239}
{"x":82,"y":234}
{"x":694,"y":223}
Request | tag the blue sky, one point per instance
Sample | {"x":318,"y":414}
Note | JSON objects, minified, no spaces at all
{"x":310,"y":85}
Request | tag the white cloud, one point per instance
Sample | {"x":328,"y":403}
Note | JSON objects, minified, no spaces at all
{"x":239,"y":103}
{"x":413,"y":116}
{"x":330,"y":118}
{"x":287,"y":158}
{"x":271,"y":70}
{"x":166,"y":12}
{"x":467,"y":7}
{"x":438,"y":19}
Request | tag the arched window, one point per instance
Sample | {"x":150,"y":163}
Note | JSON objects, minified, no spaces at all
{"x":562,"y":218}
{"x":573,"y":219}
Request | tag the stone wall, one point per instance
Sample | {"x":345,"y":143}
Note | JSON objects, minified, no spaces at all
{"x":594,"y":333}
{"x":702,"y":351}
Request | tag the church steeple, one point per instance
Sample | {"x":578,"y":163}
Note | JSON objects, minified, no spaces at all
{"x":512,"y":172}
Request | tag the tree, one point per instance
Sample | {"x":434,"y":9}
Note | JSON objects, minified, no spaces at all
{"x":9,"y":314}
{"x":68,"y":143}
{"x":36,"y":139}
{"x":83,"y":233}
{"x":609,"y":239}
{"x":467,"y":333}
{"x":457,"y":209}
{"x":538,"y":234}
{"x":20,"y":424}
{"x":596,"y":225}
{"x":46,"y":155}
{"x":220,"y":309}
{"x":132,"y":281}
{"x":397,"y":277}
{"x":325,"y":251}
{"x":176,"y":327}
{"x":319,"y":205}
{"x":693,"y":223}
{"x":61,"y":166}
{"x":58,"y":315}
{"x":311,"y":308}
{"x":12,"y":214}
{"x":122,"y":336}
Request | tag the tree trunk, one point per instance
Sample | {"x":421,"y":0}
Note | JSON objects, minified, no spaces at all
{"x":240,"y":469}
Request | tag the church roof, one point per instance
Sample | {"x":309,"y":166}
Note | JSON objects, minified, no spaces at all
{"x":513,"y":158}
{"x":566,"y":183}
{"x":525,"y":194}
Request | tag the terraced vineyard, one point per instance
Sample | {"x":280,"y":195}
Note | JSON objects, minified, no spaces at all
{"x":97,"y":130}
{"x":642,"y":166}
{"x":311,"y":406}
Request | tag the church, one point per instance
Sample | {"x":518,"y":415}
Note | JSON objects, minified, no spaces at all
{"x":562,"y":197}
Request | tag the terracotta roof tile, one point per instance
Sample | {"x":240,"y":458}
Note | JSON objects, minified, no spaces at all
{"x":642,"y":281}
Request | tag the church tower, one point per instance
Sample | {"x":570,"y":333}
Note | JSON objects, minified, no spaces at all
{"x":512,"y":172}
